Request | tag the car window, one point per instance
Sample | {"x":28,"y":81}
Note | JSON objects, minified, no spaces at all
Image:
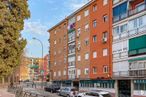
{"x":66,"y":89}
{"x":92,"y":94}
{"x":73,"y":89}
{"x":106,"y":95}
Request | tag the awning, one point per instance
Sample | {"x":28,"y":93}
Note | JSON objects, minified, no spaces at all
{"x":33,"y":66}
{"x":137,"y":59}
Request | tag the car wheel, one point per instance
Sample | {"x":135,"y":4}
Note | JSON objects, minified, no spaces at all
{"x":51,"y":91}
{"x":67,"y":96}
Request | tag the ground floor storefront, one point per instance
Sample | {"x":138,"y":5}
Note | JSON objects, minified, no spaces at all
{"x":117,"y":87}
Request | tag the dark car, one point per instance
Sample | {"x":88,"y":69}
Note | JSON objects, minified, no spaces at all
{"x":52,"y":88}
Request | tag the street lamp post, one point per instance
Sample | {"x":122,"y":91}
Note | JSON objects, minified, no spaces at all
{"x":42,"y":59}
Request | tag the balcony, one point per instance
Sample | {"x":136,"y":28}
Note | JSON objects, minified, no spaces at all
{"x":71,"y":52}
{"x":71,"y":39}
{"x":120,"y":55}
{"x":130,"y":74}
{"x":71,"y":64}
{"x":71,"y":76}
{"x":129,"y":13}
{"x":129,"y":33}
{"x":137,"y":10}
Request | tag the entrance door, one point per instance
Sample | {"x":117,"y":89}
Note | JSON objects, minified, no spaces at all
{"x":124,"y":88}
{"x":76,"y":84}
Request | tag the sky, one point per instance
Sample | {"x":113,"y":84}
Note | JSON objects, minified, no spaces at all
{"x":44,"y":15}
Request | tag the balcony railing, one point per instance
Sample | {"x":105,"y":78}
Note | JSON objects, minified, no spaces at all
{"x":137,"y":10}
{"x":70,"y":64}
{"x":129,"y":33}
{"x":120,"y":55}
{"x":71,"y":76}
{"x":130,"y":74}
{"x":129,"y":13}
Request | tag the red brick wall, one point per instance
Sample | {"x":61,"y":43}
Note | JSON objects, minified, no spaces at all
{"x":101,"y":60}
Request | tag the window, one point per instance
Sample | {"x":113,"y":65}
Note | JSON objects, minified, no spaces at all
{"x":59,"y":73}
{"x":86,"y":71}
{"x":86,"y":42}
{"x":78,"y":72}
{"x":86,"y":56}
{"x":123,"y":28}
{"x":94,"y":70}
{"x":55,"y":53}
{"x":55,"y":42}
{"x":79,"y":58}
{"x":54,"y":74}
{"x":55,"y":32}
{"x":105,"y":18}
{"x":116,"y":31}
{"x":94,"y":23}
{"x":94,"y":54}
{"x":140,"y":7}
{"x":94,"y":38}
{"x":105,"y":2}
{"x":55,"y":63}
{"x":105,"y":69}
{"x":94,"y":7}
{"x":64,"y":73}
{"x":86,"y":27}
{"x":120,"y":12}
{"x":79,"y":30}
{"x":105,"y":34}
{"x":78,"y":17}
{"x":86,"y":13}
{"x":105,"y":52}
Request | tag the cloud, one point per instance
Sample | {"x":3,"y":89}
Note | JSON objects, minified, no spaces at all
{"x":35,"y":27}
{"x":76,"y":4}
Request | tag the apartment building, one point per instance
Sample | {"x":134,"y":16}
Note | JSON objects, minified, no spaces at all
{"x":59,"y":53}
{"x":129,"y":48}
{"x":87,"y":47}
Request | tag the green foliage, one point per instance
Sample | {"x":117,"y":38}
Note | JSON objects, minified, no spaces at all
{"x":12,"y":16}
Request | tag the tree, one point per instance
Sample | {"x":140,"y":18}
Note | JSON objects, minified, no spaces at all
{"x":12,"y":16}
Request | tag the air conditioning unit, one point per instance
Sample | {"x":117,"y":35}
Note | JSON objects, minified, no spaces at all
{"x":104,"y":40}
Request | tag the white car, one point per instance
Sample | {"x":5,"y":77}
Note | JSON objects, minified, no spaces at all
{"x":68,"y":92}
{"x":94,"y":94}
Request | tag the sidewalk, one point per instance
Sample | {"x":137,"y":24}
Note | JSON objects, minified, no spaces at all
{"x":4,"y":93}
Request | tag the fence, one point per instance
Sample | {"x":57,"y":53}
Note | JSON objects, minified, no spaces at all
{"x":20,"y":92}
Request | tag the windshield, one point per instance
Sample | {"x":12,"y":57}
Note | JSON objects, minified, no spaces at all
{"x":106,"y":95}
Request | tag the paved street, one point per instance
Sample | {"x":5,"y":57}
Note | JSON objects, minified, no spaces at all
{"x":4,"y":93}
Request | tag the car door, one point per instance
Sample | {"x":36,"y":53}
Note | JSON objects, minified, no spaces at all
{"x":64,"y":92}
{"x":91,"y":94}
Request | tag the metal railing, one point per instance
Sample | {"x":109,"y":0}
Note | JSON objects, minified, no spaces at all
{"x":130,"y":73}
{"x":132,"y":32}
{"x":19,"y":92}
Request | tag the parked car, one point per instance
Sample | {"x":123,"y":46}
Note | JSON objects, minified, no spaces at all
{"x":68,"y":92}
{"x":52,"y":88}
{"x":94,"y":94}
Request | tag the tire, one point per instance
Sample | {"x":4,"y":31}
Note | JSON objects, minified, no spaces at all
{"x":67,"y":96}
{"x":51,"y":91}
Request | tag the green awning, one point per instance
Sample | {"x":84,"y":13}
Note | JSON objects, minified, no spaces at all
{"x":137,"y":59}
{"x":71,"y":30}
{"x":34,"y":66}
